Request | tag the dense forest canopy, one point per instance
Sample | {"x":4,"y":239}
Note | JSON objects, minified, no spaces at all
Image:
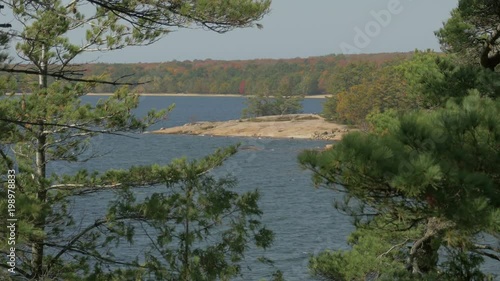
{"x":310,"y":76}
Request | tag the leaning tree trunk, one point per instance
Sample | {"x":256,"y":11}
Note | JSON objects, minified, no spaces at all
{"x":424,"y":254}
{"x":490,"y":58}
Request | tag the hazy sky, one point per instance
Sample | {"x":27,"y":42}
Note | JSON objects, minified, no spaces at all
{"x":303,"y":28}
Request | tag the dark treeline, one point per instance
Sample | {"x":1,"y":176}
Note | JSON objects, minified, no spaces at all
{"x":308,"y":76}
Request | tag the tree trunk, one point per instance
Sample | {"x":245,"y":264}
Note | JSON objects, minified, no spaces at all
{"x":489,"y":57}
{"x":490,"y":62}
{"x":423,"y":255}
{"x":37,"y":247}
{"x":186,"y":267}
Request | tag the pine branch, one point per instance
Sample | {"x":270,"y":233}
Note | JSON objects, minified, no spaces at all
{"x":10,"y":163}
{"x":489,"y":255}
{"x":19,"y":270}
{"x":69,"y":126}
{"x":486,"y":247}
{"x":72,"y":186}
{"x":69,"y":246}
{"x":62,"y":75}
{"x":94,"y":255}
{"x":392,"y":248}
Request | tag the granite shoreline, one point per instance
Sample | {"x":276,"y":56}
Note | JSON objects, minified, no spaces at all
{"x":292,"y":126}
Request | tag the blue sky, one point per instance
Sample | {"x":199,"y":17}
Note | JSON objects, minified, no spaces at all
{"x":300,"y":28}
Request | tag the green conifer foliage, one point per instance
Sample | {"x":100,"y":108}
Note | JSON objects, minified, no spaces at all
{"x":48,"y":123}
{"x":429,"y":184}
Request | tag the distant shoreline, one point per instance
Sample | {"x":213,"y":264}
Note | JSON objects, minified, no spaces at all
{"x":198,"y":95}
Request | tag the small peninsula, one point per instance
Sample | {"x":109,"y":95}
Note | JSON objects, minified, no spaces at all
{"x":293,"y":126}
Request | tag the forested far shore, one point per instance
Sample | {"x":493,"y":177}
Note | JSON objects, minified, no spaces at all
{"x":306,"y":76}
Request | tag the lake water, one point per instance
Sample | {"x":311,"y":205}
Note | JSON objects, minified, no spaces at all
{"x":302,"y":217}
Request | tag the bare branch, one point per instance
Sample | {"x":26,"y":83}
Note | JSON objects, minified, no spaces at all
{"x":393,"y":247}
{"x":486,"y":247}
{"x":69,"y":126}
{"x":61,"y":75}
{"x":489,"y":255}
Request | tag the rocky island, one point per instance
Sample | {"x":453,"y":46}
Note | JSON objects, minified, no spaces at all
{"x":296,"y":126}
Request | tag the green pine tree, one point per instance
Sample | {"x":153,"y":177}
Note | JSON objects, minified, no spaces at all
{"x":285,"y":100}
{"x":423,"y":186}
{"x":49,"y":124}
{"x":429,"y":184}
